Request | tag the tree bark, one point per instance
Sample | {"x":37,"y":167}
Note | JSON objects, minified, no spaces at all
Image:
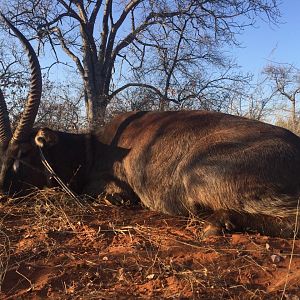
{"x":95,"y":110}
{"x":293,"y":100}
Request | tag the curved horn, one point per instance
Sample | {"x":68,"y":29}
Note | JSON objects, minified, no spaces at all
{"x":5,"y":129}
{"x":24,"y":127}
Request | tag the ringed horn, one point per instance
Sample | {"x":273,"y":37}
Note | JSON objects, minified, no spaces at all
{"x":5,"y":129}
{"x":24,"y":127}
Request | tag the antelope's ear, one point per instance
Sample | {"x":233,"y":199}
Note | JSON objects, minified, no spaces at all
{"x":45,"y":137}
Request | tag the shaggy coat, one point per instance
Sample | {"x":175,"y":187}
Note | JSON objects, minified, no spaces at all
{"x":243,"y":173}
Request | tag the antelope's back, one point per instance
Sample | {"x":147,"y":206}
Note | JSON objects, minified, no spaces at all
{"x":199,"y":133}
{"x":215,"y":160}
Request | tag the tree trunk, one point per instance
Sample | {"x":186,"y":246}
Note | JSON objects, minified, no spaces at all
{"x":96,"y":94}
{"x":294,"y":113}
{"x":164,"y":104}
{"x":95,"y":110}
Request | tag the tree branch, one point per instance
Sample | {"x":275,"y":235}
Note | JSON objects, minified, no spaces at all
{"x":143,"y":85}
{"x":104,"y":33}
{"x":95,"y":12}
{"x":82,"y":13}
{"x":68,"y":51}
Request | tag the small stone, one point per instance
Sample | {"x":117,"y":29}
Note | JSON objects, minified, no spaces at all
{"x":276,"y":258}
{"x":150,"y":276}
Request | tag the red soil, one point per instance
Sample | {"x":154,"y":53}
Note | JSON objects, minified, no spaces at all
{"x":51,"y":247}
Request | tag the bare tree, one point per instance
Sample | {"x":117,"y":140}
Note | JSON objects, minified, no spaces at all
{"x":186,"y":71}
{"x":61,"y":108}
{"x":97,"y":36}
{"x":14,"y":76}
{"x":10,"y":59}
{"x":285,"y":82}
{"x":252,"y":100}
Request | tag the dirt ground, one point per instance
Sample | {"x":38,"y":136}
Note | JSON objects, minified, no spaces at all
{"x":52,"y":247}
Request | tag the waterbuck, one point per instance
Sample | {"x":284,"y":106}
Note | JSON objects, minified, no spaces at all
{"x":243,"y":174}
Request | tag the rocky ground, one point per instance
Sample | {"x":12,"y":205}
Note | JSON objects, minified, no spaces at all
{"x":52,"y":247}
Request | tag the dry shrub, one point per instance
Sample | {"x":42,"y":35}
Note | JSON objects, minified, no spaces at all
{"x":289,"y":124}
{"x":4,"y":255}
{"x":50,"y":208}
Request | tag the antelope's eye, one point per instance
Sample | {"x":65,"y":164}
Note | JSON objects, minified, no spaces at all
{"x":16,"y":163}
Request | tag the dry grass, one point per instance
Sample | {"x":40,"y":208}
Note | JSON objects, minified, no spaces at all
{"x":4,"y":255}
{"x":54,"y":247}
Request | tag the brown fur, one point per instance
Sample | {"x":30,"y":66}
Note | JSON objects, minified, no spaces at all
{"x":190,"y":162}
{"x":244,"y":173}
